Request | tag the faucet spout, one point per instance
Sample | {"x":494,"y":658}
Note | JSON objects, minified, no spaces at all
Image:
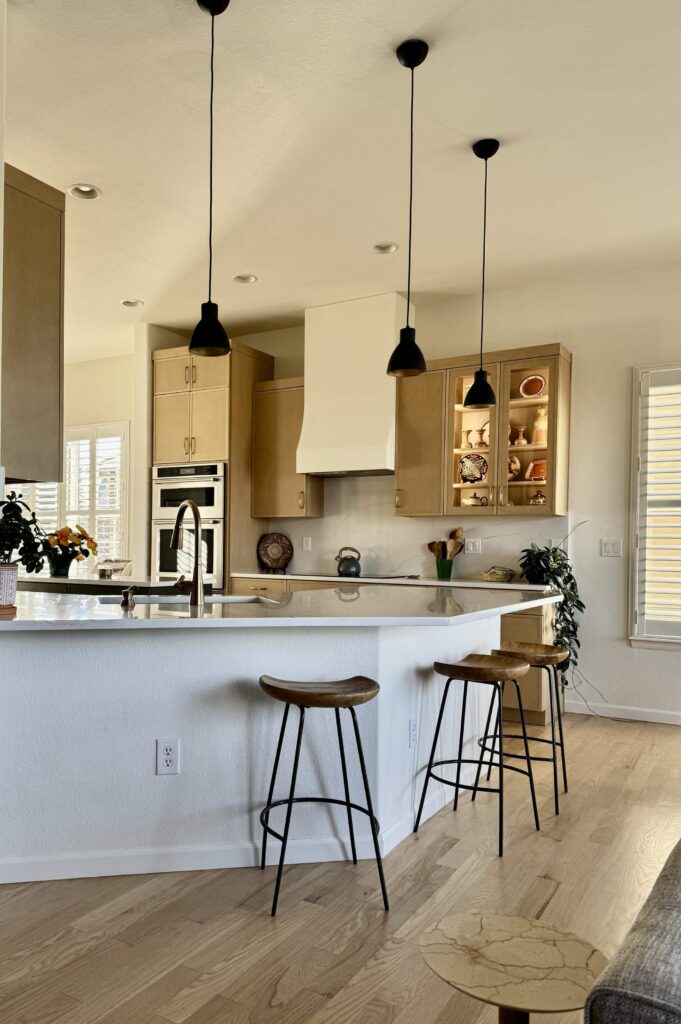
{"x":196,"y":595}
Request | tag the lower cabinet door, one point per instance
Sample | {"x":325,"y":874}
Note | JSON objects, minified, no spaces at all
{"x":256,"y":586}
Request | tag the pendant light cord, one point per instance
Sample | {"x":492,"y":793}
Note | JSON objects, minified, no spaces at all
{"x":484,"y":260}
{"x":411,"y":191}
{"x":210,"y":180}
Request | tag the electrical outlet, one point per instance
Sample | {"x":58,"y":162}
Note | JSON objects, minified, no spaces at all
{"x":307,"y":543}
{"x":168,"y":757}
{"x":412,"y":733}
{"x":473,"y":546}
{"x":611,"y":548}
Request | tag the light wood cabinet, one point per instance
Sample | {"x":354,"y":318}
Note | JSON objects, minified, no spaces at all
{"x":278,"y":490}
{"x":257,"y":585}
{"x":32,"y":330}
{"x":420,"y":449}
{"x":532,"y":626}
{"x":191,"y":407}
{"x":518,"y":449}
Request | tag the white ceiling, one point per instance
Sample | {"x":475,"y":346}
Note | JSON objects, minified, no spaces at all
{"x":311,"y":147}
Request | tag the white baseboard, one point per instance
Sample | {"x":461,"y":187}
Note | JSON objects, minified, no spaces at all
{"x":578,"y":707}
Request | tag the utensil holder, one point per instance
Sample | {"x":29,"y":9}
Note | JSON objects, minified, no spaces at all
{"x":444,"y":568}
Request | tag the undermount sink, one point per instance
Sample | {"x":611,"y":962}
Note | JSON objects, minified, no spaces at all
{"x":179,"y":599}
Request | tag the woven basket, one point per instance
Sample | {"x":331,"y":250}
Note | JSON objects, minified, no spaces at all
{"x":8,"y":585}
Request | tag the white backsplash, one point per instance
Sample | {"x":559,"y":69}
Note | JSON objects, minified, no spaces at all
{"x":359,"y":511}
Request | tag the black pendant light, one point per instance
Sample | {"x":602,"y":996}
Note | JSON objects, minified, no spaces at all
{"x":481,"y":394}
{"x":407,"y":359}
{"x":210,"y":337}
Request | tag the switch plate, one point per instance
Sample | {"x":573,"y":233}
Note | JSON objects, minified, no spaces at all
{"x":473,"y":546}
{"x":168,"y":756}
{"x":611,"y":548}
{"x":307,"y":543}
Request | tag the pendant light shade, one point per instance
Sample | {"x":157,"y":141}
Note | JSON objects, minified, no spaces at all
{"x":407,"y":359}
{"x":481,"y":393}
{"x":210,"y":337}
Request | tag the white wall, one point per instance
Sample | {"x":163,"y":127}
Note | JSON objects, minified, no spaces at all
{"x":287,"y":347}
{"x":610,"y":323}
{"x":99,"y":391}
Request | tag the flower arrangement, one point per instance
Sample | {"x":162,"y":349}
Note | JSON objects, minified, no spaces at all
{"x":67,"y":545}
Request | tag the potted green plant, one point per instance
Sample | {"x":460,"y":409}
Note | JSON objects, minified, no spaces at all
{"x":19,"y":542}
{"x":66,"y":546}
{"x":550,"y":566}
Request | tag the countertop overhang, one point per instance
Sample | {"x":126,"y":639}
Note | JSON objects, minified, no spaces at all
{"x":378,"y":606}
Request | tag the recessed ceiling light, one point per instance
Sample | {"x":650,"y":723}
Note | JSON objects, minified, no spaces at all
{"x":384,"y":248}
{"x":81,"y":190}
{"x":245,"y":278}
{"x":132,"y":303}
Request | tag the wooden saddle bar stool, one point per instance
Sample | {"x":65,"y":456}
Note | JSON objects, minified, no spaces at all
{"x":339,"y":694}
{"x":495,"y":671}
{"x":548,"y":658}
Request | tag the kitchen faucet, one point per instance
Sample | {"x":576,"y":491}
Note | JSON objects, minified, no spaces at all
{"x":196,"y":596}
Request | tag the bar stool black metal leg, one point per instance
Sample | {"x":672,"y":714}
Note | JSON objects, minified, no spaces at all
{"x":432,"y":754}
{"x":554,"y":751}
{"x":528,"y":759}
{"x":274,"y":779}
{"x":460,"y":754}
{"x":345,"y":785}
{"x":483,"y":744}
{"x":560,"y":727}
{"x":494,"y":746}
{"x":289,"y":808}
{"x":500,"y":726}
{"x":370,"y":808}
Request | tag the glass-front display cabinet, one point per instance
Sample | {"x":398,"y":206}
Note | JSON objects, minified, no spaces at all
{"x":511,"y":459}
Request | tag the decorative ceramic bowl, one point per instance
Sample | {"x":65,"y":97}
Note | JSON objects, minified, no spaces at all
{"x":532,"y":386}
{"x":536,"y":470}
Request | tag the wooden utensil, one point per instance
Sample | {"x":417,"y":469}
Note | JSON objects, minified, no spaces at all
{"x":457,"y":534}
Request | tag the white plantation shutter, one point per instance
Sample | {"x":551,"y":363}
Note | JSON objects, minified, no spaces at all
{"x":656,"y":561}
{"x":94,"y":494}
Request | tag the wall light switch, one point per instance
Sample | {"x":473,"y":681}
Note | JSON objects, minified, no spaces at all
{"x":307,"y":543}
{"x":611,"y":548}
{"x":473,"y":546}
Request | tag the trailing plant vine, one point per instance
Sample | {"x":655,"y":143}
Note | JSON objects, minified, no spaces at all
{"x":550,"y":566}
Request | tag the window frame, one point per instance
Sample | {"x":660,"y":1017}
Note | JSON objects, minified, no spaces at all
{"x":637,"y":639}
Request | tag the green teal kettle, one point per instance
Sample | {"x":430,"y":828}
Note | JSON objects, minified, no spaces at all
{"x":348,"y":564}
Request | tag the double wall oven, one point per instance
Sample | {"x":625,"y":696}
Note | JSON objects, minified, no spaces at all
{"x":170,"y":486}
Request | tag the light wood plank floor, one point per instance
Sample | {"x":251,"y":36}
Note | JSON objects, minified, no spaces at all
{"x":200,"y":947}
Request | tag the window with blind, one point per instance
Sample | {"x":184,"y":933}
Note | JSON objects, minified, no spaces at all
{"x":656,"y":506}
{"x":94,"y":492}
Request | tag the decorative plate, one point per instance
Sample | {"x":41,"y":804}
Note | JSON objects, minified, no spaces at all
{"x":473,"y":468}
{"x":275,"y":550}
{"x":533,"y":386}
{"x":536,"y":471}
{"x":513,"y":467}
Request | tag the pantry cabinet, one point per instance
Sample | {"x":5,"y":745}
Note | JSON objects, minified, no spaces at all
{"x":278,"y":490}
{"x":510,"y":460}
{"x":191,"y":407}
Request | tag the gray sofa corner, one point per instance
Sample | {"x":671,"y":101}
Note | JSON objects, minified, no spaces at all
{"x":642,"y":983}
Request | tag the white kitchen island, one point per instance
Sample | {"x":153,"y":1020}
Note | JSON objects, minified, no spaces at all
{"x":87,"y":688}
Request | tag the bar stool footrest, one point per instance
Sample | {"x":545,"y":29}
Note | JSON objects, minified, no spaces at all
{"x":264,"y":814}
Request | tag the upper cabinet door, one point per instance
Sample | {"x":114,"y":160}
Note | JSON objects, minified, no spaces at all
{"x":32,"y":330}
{"x":209,"y":372}
{"x":171,"y":429}
{"x":534,"y":417}
{"x":209,"y":436}
{"x":278,"y":490}
{"x":472,"y":447}
{"x":172,"y":374}
{"x":420,"y":478}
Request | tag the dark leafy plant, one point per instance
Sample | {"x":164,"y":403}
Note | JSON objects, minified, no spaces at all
{"x":550,"y":566}
{"x":20,"y":533}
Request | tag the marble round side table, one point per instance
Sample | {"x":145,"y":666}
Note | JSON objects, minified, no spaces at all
{"x":520,"y":965}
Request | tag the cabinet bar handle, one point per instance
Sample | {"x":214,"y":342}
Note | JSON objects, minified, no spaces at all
{"x":186,"y":374}
{"x":397,"y":499}
{"x":301,"y":499}
{"x":193,"y":373}
{"x":192,"y":448}
{"x":186,"y":446}
{"x":501,"y":497}
{"x":257,"y":588}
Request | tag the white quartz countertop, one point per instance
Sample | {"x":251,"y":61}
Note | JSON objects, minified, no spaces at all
{"x":95,"y":581}
{"x":354,"y":607}
{"x":405,"y":581}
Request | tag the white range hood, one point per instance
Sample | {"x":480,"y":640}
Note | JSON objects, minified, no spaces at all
{"x":349,"y":419}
